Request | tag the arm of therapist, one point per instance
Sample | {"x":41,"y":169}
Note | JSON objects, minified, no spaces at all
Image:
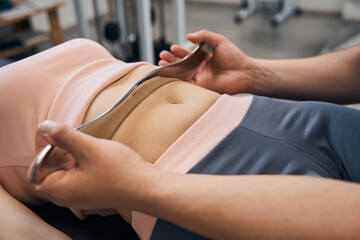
{"x":333,"y":77}
{"x":110,"y":175}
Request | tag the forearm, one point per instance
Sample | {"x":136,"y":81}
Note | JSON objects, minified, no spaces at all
{"x":19,"y":222}
{"x":333,"y":77}
{"x":256,"y":207}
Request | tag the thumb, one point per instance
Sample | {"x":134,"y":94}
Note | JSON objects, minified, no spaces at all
{"x":65,"y":137}
{"x":204,"y":36}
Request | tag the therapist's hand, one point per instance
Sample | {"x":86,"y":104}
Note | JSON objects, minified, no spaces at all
{"x":103,"y":171}
{"x":228,"y":70}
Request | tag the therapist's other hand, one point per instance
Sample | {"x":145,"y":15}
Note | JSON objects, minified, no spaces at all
{"x":228,"y":70}
{"x":103,"y":171}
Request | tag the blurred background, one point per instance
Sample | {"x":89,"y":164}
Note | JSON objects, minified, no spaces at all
{"x":137,"y":30}
{"x":134,"y":30}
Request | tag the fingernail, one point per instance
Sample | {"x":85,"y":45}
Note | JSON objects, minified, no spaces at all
{"x":46,"y":125}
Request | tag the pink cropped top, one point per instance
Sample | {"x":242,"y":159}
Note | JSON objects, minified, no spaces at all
{"x":57,"y":84}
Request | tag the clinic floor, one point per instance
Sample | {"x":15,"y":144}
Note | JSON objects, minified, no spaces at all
{"x":301,"y":36}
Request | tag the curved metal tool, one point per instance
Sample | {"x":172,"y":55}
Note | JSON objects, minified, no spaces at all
{"x":183,"y":69}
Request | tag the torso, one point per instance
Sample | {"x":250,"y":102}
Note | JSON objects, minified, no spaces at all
{"x":159,"y":119}
{"x":62,"y":90}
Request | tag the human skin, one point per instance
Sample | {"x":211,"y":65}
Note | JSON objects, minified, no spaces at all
{"x":178,"y":103}
{"x":331,"y":77}
{"x":302,"y":208}
{"x":19,"y":222}
{"x":249,"y":207}
{"x":187,"y":101}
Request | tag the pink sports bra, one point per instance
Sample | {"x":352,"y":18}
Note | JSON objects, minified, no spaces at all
{"x":57,"y":84}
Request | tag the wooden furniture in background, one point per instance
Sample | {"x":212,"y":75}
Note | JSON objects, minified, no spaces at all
{"x":18,"y":18}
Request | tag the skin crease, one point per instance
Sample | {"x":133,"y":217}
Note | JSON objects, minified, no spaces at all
{"x":302,"y":208}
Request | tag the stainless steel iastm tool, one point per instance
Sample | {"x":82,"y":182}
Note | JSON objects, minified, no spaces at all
{"x":183,"y":69}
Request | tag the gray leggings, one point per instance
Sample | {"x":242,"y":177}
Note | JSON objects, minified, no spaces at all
{"x":283,"y":138}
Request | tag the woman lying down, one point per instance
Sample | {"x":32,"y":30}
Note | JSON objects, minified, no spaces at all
{"x":174,"y":125}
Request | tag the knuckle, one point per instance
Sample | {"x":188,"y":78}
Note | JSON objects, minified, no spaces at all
{"x":60,"y":132}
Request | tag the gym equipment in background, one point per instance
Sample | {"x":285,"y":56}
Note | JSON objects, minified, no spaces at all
{"x":161,"y":43}
{"x":280,"y":10}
